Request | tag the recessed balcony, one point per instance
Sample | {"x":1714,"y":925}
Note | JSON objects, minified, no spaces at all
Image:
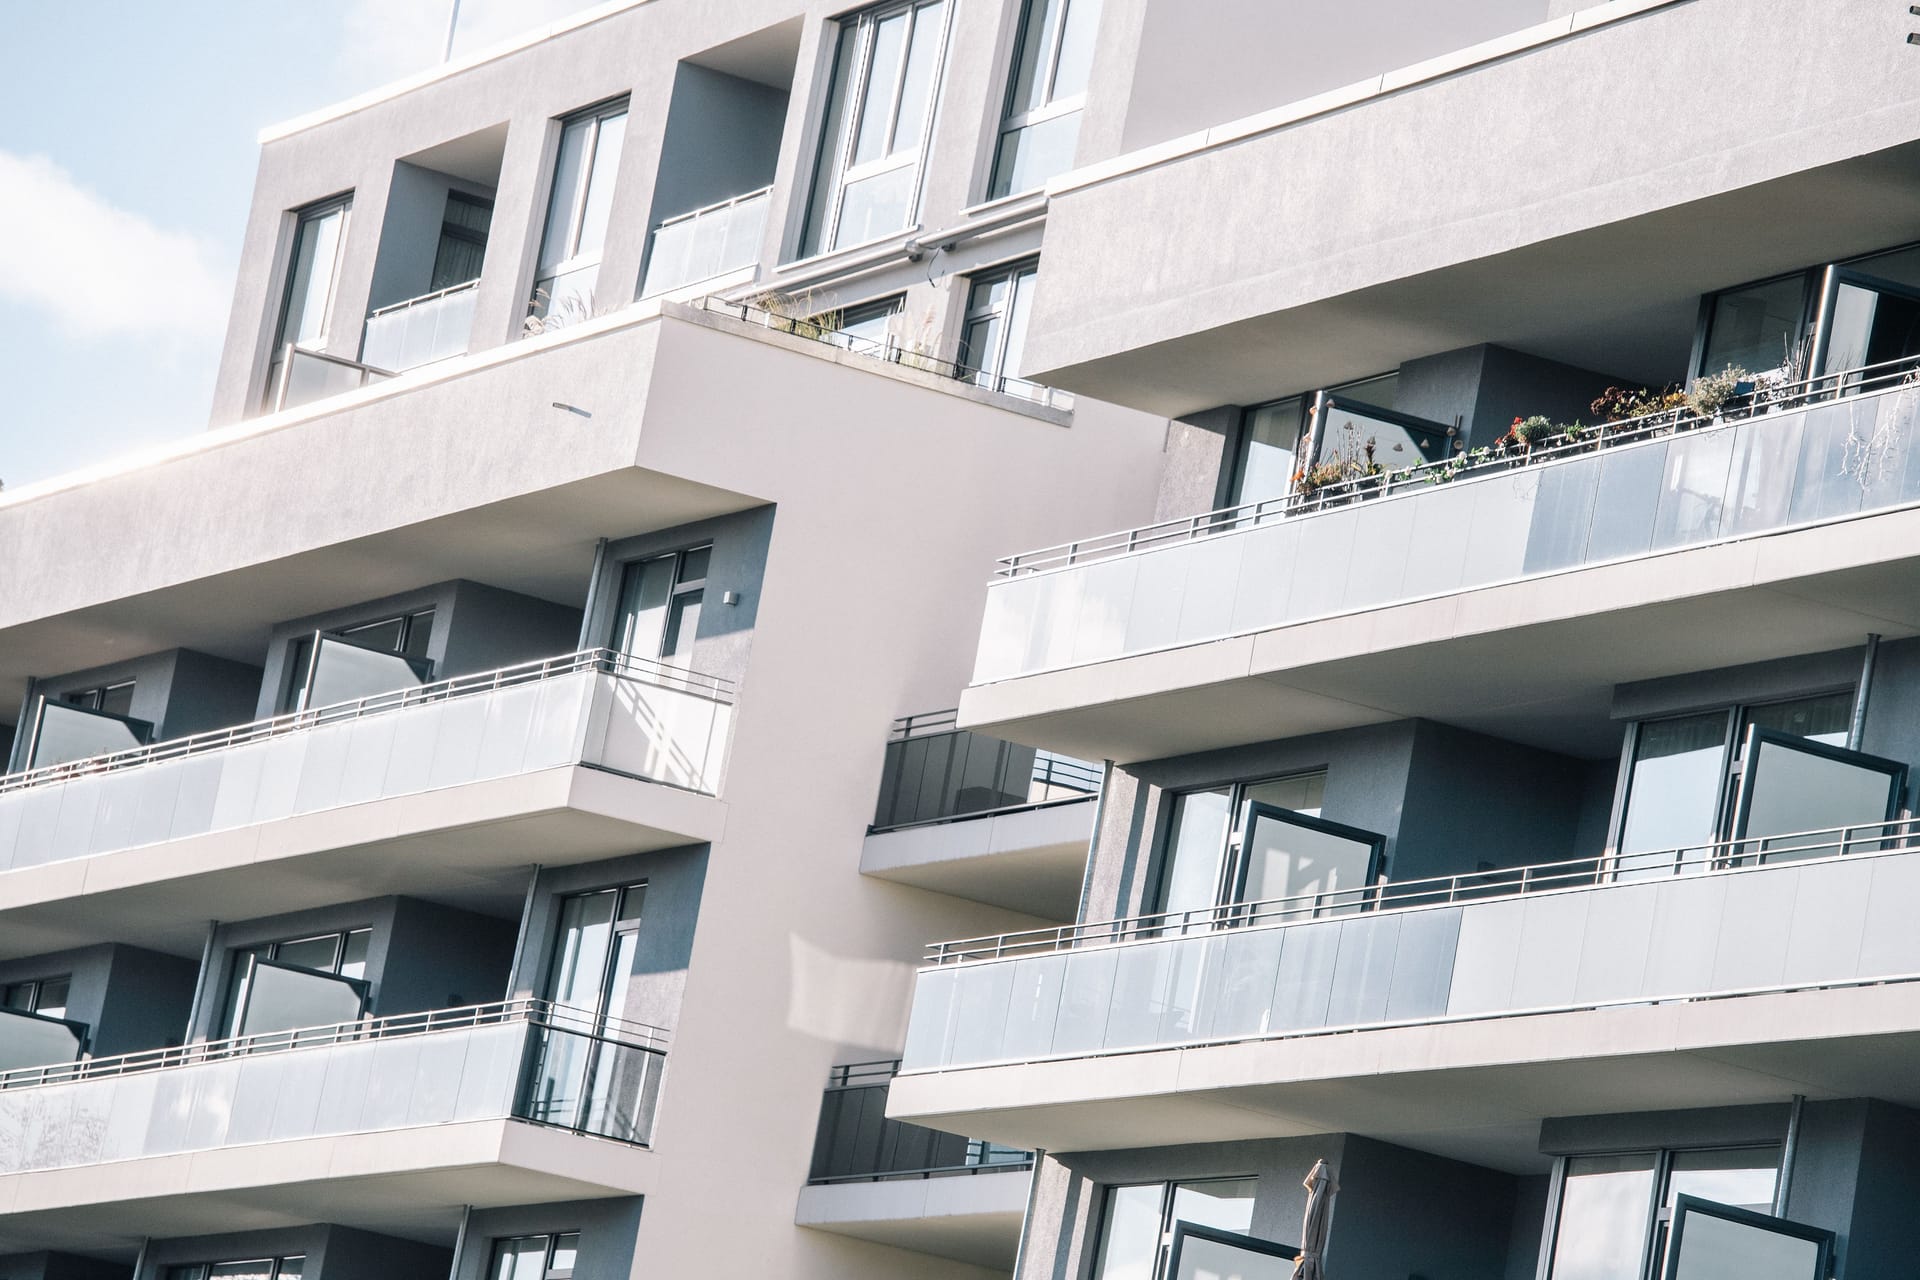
{"x":522,"y":1102}
{"x":1431,"y":591}
{"x":577,"y":757}
{"x":1741,"y":971}
{"x":708,"y":242}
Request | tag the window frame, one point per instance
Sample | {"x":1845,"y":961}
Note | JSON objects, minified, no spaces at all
{"x":296,"y":685}
{"x":275,"y":1267}
{"x":1184,"y":1231}
{"x":833,"y":176}
{"x":1733,"y":762}
{"x":36,"y":992}
{"x":1162,"y":1238}
{"x":677,"y":592}
{"x":241,"y":959}
{"x":1658,"y":1213}
{"x":1046,"y":70}
{"x":1020,"y":274}
{"x":547,"y":1270}
{"x":595,"y":117}
{"x":620,"y":924}
{"x":1823,"y":1239}
{"x":303,"y":217}
{"x":451,"y":230}
{"x":1232,"y":860}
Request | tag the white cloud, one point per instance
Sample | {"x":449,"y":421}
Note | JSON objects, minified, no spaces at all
{"x":387,"y":39}
{"x":99,"y":271}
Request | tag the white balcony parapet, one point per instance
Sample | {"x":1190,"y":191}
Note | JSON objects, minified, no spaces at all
{"x":523,"y":1060}
{"x":1825,"y":449}
{"x":434,"y":326}
{"x":1738,"y":918}
{"x":596,"y":708}
{"x":708,"y":242}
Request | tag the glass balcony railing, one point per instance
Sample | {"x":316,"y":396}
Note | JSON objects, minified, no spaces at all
{"x":706,"y":243}
{"x":856,"y":1142}
{"x":518,"y":1060}
{"x":1816,"y":909}
{"x":935,"y":773}
{"x":1837,"y":446}
{"x":306,"y":376}
{"x":421,"y":330}
{"x":616,"y":713}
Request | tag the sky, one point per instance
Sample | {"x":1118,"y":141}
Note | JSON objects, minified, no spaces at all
{"x":128,"y":142}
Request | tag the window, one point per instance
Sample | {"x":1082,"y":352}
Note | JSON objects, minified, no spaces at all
{"x":584,"y":172}
{"x":112,"y":699}
{"x":1718,"y":1242}
{"x":463,"y":241}
{"x":993,"y":343}
{"x":886,"y":73}
{"x":44,"y":996}
{"x":1611,"y":1225}
{"x":536,"y":1257}
{"x":1045,"y":95}
{"x":406,"y":635}
{"x":1261,"y":841}
{"x":1683,"y":776}
{"x":1754,"y":327}
{"x":307,"y":304}
{"x":582,"y":1081}
{"x":1269,"y":453}
{"x":659,"y":610}
{"x":1137,"y":1221}
{"x":251,"y":1269}
{"x":868,"y":328}
{"x":340,"y":955}
{"x":593,"y":956}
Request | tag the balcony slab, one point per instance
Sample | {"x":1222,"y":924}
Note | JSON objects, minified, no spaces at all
{"x":971,"y":1218}
{"x":1029,"y":860}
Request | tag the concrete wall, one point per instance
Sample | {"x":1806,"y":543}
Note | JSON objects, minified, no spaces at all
{"x":59,"y":1266}
{"x":1483,"y":389}
{"x":410,"y":238}
{"x":1202,"y":451}
{"x":722,"y":140}
{"x":1475,"y":802}
{"x":129,"y":997}
{"x":1206,"y":63}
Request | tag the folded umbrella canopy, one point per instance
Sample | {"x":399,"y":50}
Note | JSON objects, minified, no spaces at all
{"x":1321,"y":1186}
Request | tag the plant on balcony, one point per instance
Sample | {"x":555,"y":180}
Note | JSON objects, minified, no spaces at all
{"x":802,"y":314}
{"x":1618,"y":404}
{"x":1352,"y":461}
{"x":571,"y":309}
{"x":1711,"y":392}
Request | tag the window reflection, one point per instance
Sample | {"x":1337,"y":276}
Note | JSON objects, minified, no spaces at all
{"x":1138,"y":1219}
{"x":1604,"y":1207}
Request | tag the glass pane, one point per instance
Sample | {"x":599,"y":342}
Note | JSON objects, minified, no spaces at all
{"x":345,"y":672}
{"x":299,"y":655}
{"x":117,"y":699}
{"x":827,"y":164}
{"x":290,"y":1268}
{"x":600,"y":184}
{"x":1851,"y":328}
{"x":419,"y":634}
{"x":52,"y":997}
{"x":29,"y":1041}
{"x":353,"y":956}
{"x":1743,"y":1176}
{"x":1014,"y":358}
{"x":644,"y":592}
{"x":1130,"y":1233}
{"x":385,"y":634}
{"x":980,"y":345}
{"x":1674,"y":791}
{"x":1028,"y":89}
{"x":1031,"y":155}
{"x":1190,"y":877}
{"x":310,"y":953}
{"x":1604,"y":1209}
{"x":281,"y":999}
{"x":522,"y":1259}
{"x":257,"y":1269}
{"x":693,"y":565}
{"x":1717,"y":1248}
{"x":565,"y":1249}
{"x":556,"y":241}
{"x":1226,"y":1203}
{"x":1287,"y":859}
{"x":69,"y":733}
{"x":1076,"y":49}
{"x":869,"y":326}
{"x":1791,"y":790}
{"x":683,"y":625}
{"x":1269,"y":452}
{"x":923,"y":57}
{"x":580,"y":962}
{"x":1827,"y":718}
{"x":873,"y":207}
{"x":310,"y":279}
{"x":883,"y":75}
{"x":1301,"y":793}
{"x":1753,"y":328}
{"x":1201,"y":1258}
{"x":1352,"y":435}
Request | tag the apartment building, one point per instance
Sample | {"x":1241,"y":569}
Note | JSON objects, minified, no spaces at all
{"x":582,"y":770}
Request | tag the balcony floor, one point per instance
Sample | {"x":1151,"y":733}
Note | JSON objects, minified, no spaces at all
{"x":406,"y":1182}
{"x":467,"y":845}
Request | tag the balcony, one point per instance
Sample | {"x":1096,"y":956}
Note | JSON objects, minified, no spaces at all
{"x":1747,"y":970}
{"x":983,"y":819}
{"x":580,"y":756}
{"x":521,"y":1102}
{"x":1289,"y":616}
{"x":307,"y":376}
{"x":907,"y":1186}
{"x":1307,"y":244}
{"x":708,"y":242}
{"x":420,"y":331}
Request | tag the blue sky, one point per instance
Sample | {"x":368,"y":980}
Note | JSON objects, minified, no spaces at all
{"x":127,"y":152}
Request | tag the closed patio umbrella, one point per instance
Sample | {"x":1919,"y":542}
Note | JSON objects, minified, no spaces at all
{"x":1321,"y":1186}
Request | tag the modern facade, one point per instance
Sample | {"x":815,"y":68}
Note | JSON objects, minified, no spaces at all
{"x":631,"y":745}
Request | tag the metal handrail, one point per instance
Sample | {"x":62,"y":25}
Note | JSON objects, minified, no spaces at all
{"x":604,"y":661}
{"x":715,"y":207}
{"x":414,"y":302}
{"x":1900,"y":835}
{"x":889,"y":351}
{"x":931,"y":1171}
{"x":538,"y":1013}
{"x":856,"y":1075}
{"x":1847,"y":383}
